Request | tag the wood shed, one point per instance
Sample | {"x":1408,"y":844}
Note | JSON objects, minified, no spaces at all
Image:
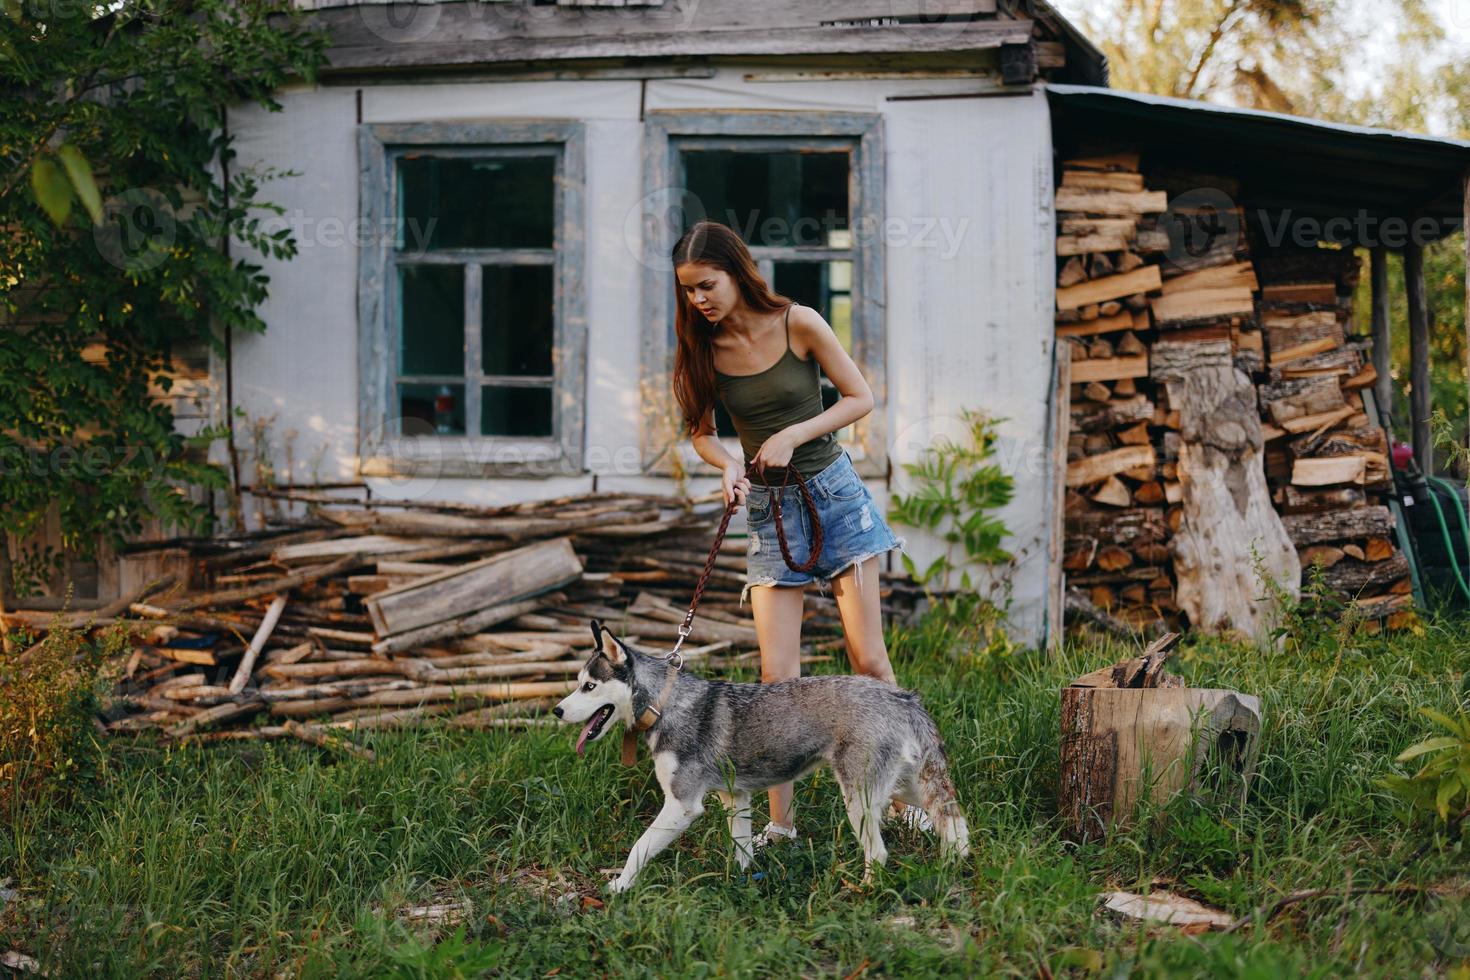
{"x":485,"y":195}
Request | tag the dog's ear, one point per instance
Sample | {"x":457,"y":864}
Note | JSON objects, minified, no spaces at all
{"x":615,"y":652}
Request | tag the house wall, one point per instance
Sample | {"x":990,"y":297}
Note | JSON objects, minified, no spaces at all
{"x":968,"y":268}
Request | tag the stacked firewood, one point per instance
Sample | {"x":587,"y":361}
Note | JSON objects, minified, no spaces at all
{"x":1155,"y":281}
{"x":386,"y":614}
{"x":1327,"y":458}
{"x":1121,"y":479}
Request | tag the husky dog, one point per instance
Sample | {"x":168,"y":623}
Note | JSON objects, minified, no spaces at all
{"x":737,"y":739}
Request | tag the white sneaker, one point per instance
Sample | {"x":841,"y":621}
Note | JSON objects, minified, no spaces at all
{"x":913,"y":818}
{"x":770,"y":834}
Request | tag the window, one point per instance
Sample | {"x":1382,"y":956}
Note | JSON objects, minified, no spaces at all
{"x":474,"y":336}
{"x":781,"y":201}
{"x":801,"y":200}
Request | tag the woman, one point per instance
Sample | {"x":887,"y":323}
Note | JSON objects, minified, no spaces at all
{"x":758,"y":352}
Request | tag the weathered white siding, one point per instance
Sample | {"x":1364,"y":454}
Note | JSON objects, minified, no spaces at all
{"x":968,"y":272}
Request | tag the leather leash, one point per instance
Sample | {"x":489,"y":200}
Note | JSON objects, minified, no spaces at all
{"x":651,"y":714}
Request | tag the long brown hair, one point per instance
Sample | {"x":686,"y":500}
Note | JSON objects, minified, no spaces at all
{"x":714,"y":244}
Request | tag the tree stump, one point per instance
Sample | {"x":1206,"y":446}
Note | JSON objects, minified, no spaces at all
{"x":1131,"y":728}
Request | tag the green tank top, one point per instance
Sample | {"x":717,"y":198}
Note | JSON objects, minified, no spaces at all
{"x":768,"y":401}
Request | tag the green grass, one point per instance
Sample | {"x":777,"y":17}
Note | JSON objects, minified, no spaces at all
{"x":256,"y":859}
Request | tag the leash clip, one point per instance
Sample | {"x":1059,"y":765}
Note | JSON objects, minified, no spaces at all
{"x":675,"y":659}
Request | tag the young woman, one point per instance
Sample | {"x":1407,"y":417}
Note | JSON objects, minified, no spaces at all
{"x":758,"y":352}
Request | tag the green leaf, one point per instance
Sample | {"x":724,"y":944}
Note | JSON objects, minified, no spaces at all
{"x":1460,"y":728}
{"x":1429,"y":745}
{"x":80,"y":173}
{"x":53,"y":191}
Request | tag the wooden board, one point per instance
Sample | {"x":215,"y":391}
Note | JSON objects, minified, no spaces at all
{"x":1329,"y":471}
{"x":508,"y":577}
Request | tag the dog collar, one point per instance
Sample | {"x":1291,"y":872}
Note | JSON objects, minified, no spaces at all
{"x":647,"y":718}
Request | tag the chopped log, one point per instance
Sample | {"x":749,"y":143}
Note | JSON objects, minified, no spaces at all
{"x":1102,"y":180}
{"x":1238,"y":275}
{"x":1128,"y":528}
{"x":1113,"y":493}
{"x":1319,"y":422}
{"x":1096,"y":391}
{"x":1353,"y":551}
{"x":1111,"y":369}
{"x":1325,"y":472}
{"x":1129,"y":344}
{"x":1321,"y":554}
{"x":1094,"y":469}
{"x":1113,"y":558}
{"x":1110,"y":202}
{"x":1303,"y":350}
{"x":1134,"y":435}
{"x":1100,"y":348}
{"x":1107,"y":161}
{"x":1287,"y":400}
{"x":1084,"y":244}
{"x":1339,"y":525}
{"x":1109,"y":736}
{"x":1202,"y":304}
{"x":1125,"y":388}
{"x":1378,"y":548}
{"x":1091,"y":418}
{"x":1171,"y":360}
{"x":1297,"y":501}
{"x":1073,"y":271}
{"x":1351,"y":577}
{"x":1101,"y":325}
{"x":1324,"y":293}
{"x":1140,"y":280}
{"x":1150,"y":493}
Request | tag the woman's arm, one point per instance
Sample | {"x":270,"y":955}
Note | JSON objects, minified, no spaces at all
{"x":813,"y":332}
{"x":732,"y":471}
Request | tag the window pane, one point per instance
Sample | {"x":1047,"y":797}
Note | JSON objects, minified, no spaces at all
{"x":490,"y":202}
{"x":439,"y":407}
{"x":516,"y":323}
{"x":827,"y":287}
{"x":431,"y":318}
{"x":771,"y":198}
{"x":824,"y":286}
{"x":515,"y":411}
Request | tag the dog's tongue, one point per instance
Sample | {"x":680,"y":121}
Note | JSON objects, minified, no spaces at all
{"x":587,"y":730}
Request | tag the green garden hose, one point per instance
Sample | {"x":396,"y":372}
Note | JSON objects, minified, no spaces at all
{"x":1444,"y":528}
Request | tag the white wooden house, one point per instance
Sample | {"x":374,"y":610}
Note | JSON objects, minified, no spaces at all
{"x":485,"y":195}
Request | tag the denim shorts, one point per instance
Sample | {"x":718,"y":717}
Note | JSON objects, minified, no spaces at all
{"x":853,"y":528}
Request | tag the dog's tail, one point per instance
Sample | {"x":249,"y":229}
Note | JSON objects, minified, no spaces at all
{"x":937,"y":796}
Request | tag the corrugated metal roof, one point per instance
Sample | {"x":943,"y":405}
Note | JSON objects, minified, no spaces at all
{"x":1315,"y":167}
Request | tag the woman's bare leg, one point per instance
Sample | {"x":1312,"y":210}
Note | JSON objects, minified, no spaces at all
{"x":856,"y":592}
{"x":777,"y":612}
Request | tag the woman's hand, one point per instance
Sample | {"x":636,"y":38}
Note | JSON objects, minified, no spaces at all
{"x":775,"y":451}
{"x":735,"y":483}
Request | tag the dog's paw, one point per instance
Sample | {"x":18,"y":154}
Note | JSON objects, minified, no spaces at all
{"x":617,"y":886}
